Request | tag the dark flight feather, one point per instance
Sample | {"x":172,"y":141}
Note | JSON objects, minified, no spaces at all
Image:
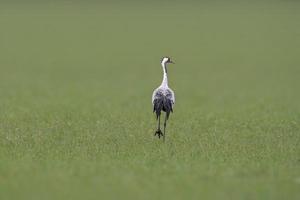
{"x":162,"y":103}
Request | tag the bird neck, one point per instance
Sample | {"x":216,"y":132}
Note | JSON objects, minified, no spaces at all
{"x":165,"y":77}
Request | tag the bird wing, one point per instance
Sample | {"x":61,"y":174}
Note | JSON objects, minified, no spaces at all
{"x":156,"y":94}
{"x":170,"y":95}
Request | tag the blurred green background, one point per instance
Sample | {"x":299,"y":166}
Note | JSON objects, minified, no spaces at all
{"x":76,"y":80}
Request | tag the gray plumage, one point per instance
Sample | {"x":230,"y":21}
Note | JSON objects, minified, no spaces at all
{"x":163,"y":100}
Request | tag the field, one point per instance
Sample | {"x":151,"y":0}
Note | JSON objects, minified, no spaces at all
{"x":76,"y":118}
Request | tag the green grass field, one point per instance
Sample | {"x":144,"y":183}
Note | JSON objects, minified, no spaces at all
{"x":76,"y":118}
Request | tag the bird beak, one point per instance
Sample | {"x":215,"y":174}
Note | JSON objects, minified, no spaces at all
{"x":172,"y":62}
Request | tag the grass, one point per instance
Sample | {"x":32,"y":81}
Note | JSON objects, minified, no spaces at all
{"x":76,"y":117}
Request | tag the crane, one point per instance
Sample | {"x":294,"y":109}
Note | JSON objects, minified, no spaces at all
{"x":163,"y":99}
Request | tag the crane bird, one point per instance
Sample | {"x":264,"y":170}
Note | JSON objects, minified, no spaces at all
{"x":163,"y":99}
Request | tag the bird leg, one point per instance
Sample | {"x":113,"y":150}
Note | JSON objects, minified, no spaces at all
{"x":165,"y":125}
{"x":158,"y":131}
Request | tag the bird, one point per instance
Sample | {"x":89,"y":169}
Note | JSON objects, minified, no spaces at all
{"x":163,"y":99}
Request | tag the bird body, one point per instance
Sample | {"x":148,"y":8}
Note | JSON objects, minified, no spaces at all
{"x":163,"y":98}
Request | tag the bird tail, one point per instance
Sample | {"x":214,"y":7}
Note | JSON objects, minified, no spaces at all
{"x":164,"y":104}
{"x":158,"y":106}
{"x":167,"y":106}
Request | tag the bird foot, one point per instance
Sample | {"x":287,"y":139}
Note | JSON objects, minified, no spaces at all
{"x":159,"y":133}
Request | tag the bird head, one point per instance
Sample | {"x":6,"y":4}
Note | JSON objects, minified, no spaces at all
{"x":166,"y":60}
